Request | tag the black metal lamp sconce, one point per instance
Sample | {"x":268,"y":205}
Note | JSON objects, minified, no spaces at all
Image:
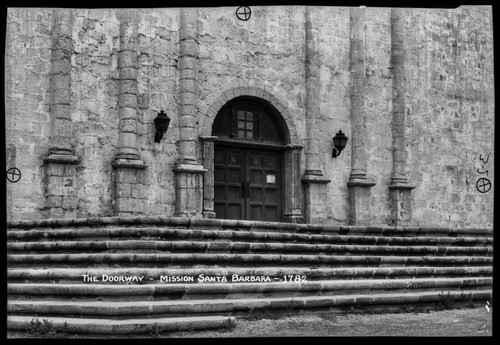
{"x":339,"y":141}
{"x":161,"y":123}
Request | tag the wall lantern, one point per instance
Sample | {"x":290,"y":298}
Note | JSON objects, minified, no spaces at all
{"x":339,"y":141}
{"x":161,"y":123}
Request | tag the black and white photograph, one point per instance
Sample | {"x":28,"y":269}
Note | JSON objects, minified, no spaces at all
{"x":249,"y":171}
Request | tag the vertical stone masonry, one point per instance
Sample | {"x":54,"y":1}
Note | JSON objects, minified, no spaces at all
{"x":359,"y":183}
{"x":208,"y":181}
{"x":293,"y":198}
{"x":400,"y":186}
{"x":314,"y":181}
{"x":128,"y":167}
{"x":60,"y":192}
{"x":188,"y":172}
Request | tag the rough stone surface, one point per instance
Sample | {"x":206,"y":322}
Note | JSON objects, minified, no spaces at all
{"x":449,"y":105}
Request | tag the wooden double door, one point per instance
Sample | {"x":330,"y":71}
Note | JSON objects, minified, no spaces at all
{"x":247,"y":183}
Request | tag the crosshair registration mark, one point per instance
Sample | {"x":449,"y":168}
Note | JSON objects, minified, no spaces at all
{"x":243,"y":13}
{"x":483,"y":185}
{"x":13,"y":175}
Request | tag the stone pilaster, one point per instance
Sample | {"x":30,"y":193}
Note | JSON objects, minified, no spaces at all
{"x":314,"y":183}
{"x":188,"y":172}
{"x":312,"y":106}
{"x":128,"y":167}
{"x":293,"y":190}
{"x":359,"y":183}
{"x":60,"y":193}
{"x":400,"y":186}
{"x":208,"y":181}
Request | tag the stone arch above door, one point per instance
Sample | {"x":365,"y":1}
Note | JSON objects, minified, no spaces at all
{"x":286,"y":118}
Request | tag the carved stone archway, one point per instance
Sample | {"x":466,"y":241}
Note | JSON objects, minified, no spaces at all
{"x":292,"y":150}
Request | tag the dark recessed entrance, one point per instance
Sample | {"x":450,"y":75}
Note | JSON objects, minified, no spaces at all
{"x":248,"y":161}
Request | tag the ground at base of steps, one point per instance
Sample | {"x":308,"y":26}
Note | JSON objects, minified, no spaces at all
{"x":455,"y":322}
{"x":467,"y":322}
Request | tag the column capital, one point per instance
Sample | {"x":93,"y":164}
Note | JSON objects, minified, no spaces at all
{"x":293,"y":147}
{"x":129,"y":163}
{"x":189,"y":167}
{"x":401,"y":185}
{"x":209,"y":138}
{"x":360,"y":182}
{"x":62,"y":158}
{"x":309,"y":178}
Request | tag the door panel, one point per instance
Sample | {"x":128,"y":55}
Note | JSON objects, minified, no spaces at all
{"x":247,"y":183}
{"x":228,"y":177}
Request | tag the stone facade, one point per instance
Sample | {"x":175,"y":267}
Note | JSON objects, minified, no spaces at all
{"x":411,"y":88}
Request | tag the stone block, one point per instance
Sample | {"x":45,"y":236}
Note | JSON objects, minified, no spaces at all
{"x":61,"y":67}
{"x":188,"y":62}
{"x":127,"y":59}
{"x":127,"y":86}
{"x":128,"y":125}
{"x":123,"y":190}
{"x":126,"y":100}
{"x":188,"y":47}
{"x":61,"y":96}
{"x":136,"y":191}
{"x":60,"y":81}
{"x":128,"y":73}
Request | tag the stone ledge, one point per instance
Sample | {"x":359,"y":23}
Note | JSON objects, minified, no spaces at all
{"x":128,"y":326}
{"x":248,"y":225}
{"x":238,"y":246}
{"x":228,"y":288}
{"x":276,"y":259}
{"x":315,"y":179}
{"x":129,"y":163}
{"x":361,"y":182}
{"x":130,"y":308}
{"x":400,"y":185}
{"x":75,"y":274}
{"x":189,"y":168}
{"x":62,"y":159}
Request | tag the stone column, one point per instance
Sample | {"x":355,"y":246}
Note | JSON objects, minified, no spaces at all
{"x":359,"y":183}
{"x":400,"y":186}
{"x":314,"y":181}
{"x":293,"y":190}
{"x":188,"y":172}
{"x":208,"y":181}
{"x":60,"y":193}
{"x":128,"y":167}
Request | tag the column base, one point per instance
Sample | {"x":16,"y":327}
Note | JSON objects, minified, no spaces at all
{"x":189,"y":190}
{"x":129,"y":186}
{"x":209,"y":214}
{"x":295,"y":217}
{"x":359,"y":200}
{"x":401,"y":202}
{"x":315,"y":195}
{"x":61,"y":200}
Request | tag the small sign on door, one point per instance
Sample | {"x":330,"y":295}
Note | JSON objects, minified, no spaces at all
{"x":270,"y":179}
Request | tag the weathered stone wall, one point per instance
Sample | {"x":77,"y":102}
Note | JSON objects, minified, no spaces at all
{"x":451,"y":106}
{"x":449,"y":100}
{"x":27,"y":102}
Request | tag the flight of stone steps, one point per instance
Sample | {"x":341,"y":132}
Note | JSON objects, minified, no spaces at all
{"x":121,"y":276}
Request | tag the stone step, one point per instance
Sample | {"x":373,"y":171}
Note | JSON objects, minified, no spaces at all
{"x":154,"y":275}
{"x":99,"y":234}
{"x":148,"y":309}
{"x":207,"y":260}
{"x":123,"y":327}
{"x":223,"y":224}
{"x":144,"y":246}
{"x":232,"y":290}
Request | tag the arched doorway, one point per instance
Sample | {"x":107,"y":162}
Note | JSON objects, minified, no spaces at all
{"x":248,"y":161}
